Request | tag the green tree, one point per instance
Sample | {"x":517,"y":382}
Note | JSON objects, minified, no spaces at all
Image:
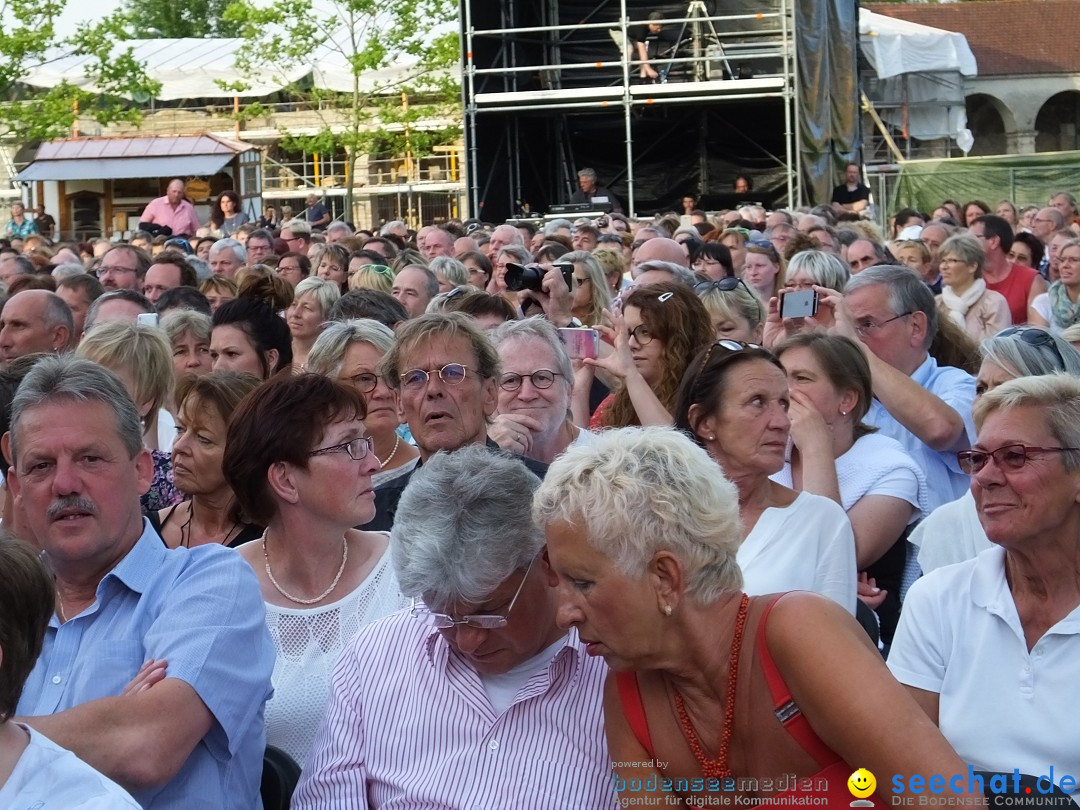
{"x":188,"y":18}
{"x":374,"y":108}
{"x":110,"y":75}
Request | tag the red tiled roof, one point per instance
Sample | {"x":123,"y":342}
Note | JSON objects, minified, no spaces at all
{"x":1007,"y":36}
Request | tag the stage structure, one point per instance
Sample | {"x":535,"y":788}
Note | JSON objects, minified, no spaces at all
{"x":555,"y":85}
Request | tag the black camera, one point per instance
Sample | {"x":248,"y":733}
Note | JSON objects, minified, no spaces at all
{"x":530,"y":277}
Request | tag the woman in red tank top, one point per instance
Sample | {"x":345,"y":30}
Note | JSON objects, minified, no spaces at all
{"x":716,"y":697}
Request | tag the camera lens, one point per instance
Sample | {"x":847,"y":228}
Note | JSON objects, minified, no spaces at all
{"x":523,"y":278}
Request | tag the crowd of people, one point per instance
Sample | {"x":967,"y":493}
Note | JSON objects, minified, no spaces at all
{"x":570,"y":514}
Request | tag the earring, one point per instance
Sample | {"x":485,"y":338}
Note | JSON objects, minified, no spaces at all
{"x":667,"y":610}
{"x":712,"y":438}
{"x":843,"y":413}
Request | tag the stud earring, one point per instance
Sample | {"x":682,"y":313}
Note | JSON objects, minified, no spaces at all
{"x":667,"y":610}
{"x":712,"y":438}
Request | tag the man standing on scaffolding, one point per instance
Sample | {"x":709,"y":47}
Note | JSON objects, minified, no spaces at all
{"x":653,"y":42}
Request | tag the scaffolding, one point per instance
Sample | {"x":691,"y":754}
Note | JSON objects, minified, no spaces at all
{"x":534,"y":62}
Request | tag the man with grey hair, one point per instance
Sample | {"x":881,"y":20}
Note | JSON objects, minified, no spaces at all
{"x":226,"y":257}
{"x":445,"y":373}
{"x":592,"y":193}
{"x":891,"y":314}
{"x":123,"y":267}
{"x":656,"y":272}
{"x":864,"y":253}
{"x":12,"y":265}
{"x":34,"y":321}
{"x":395,"y":227}
{"x":501,"y":237}
{"x":157,"y":664}
{"x":115,"y":306}
{"x":438,"y":242}
{"x":414,"y":286}
{"x":338,"y":230}
{"x":478,"y":671}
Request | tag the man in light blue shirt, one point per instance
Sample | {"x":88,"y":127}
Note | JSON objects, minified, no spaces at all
{"x":187,"y":731}
{"x":925,"y":407}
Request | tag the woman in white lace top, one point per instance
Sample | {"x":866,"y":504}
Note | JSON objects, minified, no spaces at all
{"x":300,"y":461}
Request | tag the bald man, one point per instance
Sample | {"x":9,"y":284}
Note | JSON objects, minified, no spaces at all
{"x":659,"y":249}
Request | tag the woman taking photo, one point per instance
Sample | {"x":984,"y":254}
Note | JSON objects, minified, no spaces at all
{"x":226,"y":216}
{"x":299,"y":460}
{"x":712,"y":688}
{"x":999,"y":630}
{"x":350,"y":352}
{"x":307,"y":314}
{"x":660,"y":328}
{"x":964,"y":296}
{"x":806,"y":270}
{"x":734,"y":402}
{"x":211,"y":514}
{"x":1059,"y":307}
{"x":590,"y":293}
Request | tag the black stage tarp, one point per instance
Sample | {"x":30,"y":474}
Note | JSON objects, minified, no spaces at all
{"x":532,"y":155}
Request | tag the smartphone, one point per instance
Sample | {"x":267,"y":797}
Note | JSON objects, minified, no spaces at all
{"x":147,"y":319}
{"x":799,"y":304}
{"x":580,"y":343}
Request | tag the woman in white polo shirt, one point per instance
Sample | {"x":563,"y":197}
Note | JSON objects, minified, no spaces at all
{"x":988,"y":647}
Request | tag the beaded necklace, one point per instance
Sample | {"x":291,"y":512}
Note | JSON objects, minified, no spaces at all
{"x":718,"y":768}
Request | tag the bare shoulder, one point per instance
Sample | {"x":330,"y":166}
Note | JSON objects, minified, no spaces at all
{"x":802,"y":624}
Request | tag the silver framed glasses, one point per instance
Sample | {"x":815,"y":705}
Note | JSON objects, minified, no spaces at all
{"x":479,"y":621}
{"x":451,"y":374}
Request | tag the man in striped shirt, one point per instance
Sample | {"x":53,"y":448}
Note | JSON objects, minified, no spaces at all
{"x":474,"y":697}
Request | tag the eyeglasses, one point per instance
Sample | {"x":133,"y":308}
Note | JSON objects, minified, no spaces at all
{"x":543,"y":378}
{"x":1033,"y":336}
{"x":365,"y":381}
{"x":1010,"y":457}
{"x":357,"y":448}
{"x":641,"y":334}
{"x":451,"y":374}
{"x":104,"y":269}
{"x":865,"y":328}
{"x":481,"y":621}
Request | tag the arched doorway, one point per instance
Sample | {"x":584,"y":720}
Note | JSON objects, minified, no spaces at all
{"x":1057,"y":126}
{"x":986,"y":124}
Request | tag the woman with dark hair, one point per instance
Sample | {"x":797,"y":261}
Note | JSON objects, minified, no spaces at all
{"x":479,"y":267}
{"x":973,"y":210}
{"x":712,"y":259}
{"x":834,"y":454}
{"x":734,"y":401}
{"x":1027,"y":249}
{"x":660,"y":328}
{"x":299,"y":459}
{"x":210,"y":515}
{"x":247,"y":335}
{"x":334,"y":266}
{"x":226,"y":216}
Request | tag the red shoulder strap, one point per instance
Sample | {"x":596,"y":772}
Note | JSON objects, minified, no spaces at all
{"x":787,"y":711}
{"x":634,"y":709}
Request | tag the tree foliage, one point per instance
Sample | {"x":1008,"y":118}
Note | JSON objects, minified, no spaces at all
{"x":381,"y":109}
{"x":173,"y":19}
{"x":28,"y":38}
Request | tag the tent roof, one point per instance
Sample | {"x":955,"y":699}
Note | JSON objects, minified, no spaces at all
{"x":192,"y":68}
{"x":895,"y":46}
{"x":136,"y":156}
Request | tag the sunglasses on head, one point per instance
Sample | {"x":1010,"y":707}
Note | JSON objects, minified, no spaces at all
{"x":1033,"y":336}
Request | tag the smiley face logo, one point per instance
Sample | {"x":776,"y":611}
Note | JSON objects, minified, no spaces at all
{"x":861,"y":783}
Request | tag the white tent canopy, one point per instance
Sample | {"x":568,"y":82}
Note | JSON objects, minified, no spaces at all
{"x":193,"y":68}
{"x":920,"y":74}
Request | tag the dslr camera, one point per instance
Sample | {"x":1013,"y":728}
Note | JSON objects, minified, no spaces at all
{"x":529,"y":277}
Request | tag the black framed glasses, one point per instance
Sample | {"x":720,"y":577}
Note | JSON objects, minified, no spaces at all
{"x":868,"y":327}
{"x":1009,"y":457}
{"x":641,"y":334}
{"x":357,"y":448}
{"x":542,"y":378}
{"x":451,"y":374}
{"x":481,"y":621}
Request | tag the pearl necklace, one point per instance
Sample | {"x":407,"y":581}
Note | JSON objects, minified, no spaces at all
{"x":321,"y":596}
{"x":397,"y":443}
